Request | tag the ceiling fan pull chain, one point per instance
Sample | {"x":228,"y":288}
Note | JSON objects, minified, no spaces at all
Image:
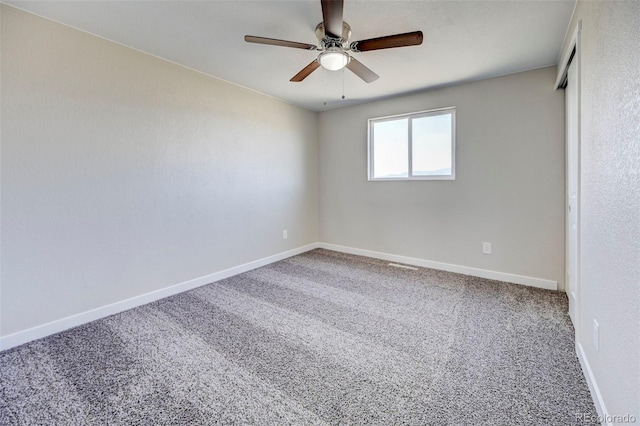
{"x":324,"y":84}
{"x":343,"y":84}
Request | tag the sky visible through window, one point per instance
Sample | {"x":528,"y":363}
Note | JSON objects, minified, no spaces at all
{"x":431,"y":147}
{"x":391,"y":150}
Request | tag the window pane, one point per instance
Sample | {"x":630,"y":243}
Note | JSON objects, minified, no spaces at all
{"x":431,"y":145}
{"x":391,"y":149}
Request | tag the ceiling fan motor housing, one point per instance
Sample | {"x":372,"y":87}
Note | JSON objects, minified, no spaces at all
{"x":326,"y":41}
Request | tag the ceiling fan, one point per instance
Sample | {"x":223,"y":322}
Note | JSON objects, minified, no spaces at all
{"x":333,"y":37}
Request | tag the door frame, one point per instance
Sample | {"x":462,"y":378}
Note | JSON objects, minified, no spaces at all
{"x":572,"y":55}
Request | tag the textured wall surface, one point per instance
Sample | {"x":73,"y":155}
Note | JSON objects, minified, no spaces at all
{"x":509,"y":187}
{"x":610,"y":207}
{"x":123,"y":174}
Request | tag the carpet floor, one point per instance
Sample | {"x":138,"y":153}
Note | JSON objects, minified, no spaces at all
{"x":320,"y":338}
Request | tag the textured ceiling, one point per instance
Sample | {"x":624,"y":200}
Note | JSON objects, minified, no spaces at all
{"x":463,"y":40}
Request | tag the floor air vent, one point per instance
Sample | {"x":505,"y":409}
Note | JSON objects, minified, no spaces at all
{"x":396,"y":265}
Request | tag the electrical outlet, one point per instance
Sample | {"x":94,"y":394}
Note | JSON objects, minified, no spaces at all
{"x":486,"y":248}
{"x":596,"y":335}
{"x":284,"y":234}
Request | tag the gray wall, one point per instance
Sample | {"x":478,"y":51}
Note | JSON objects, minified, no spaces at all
{"x":123,"y":174}
{"x":509,"y":187}
{"x":610,"y":205}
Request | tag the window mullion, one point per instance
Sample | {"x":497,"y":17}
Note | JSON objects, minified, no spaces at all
{"x":371,"y":151}
{"x":410,"y":142}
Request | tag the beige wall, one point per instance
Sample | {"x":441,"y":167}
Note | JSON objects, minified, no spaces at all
{"x":123,"y":174}
{"x":509,"y":187}
{"x":610,"y":204}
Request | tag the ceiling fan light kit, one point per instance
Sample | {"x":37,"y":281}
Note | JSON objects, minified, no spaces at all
{"x":333,"y":35}
{"x":333,"y":59}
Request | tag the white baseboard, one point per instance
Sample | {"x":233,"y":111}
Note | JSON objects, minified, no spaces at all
{"x":593,"y":385}
{"x":466,"y":270}
{"x":37,"y":332}
{"x":53,"y":327}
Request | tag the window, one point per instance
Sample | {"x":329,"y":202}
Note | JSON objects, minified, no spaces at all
{"x":413,"y":146}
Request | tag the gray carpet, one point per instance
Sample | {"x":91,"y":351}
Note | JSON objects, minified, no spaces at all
{"x":320,"y":338}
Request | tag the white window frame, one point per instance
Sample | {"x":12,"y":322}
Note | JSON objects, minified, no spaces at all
{"x":411,"y":116}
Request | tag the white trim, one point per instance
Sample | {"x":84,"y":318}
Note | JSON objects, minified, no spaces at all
{"x":575,"y":47}
{"x":53,"y":327}
{"x":426,"y":112}
{"x":563,"y":64}
{"x":591,"y":382}
{"x":578,"y":279}
{"x":466,"y":270}
{"x":566,"y":34}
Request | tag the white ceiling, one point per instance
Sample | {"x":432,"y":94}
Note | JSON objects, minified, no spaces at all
{"x":463,"y":40}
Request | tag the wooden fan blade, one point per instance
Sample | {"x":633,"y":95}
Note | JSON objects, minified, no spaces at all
{"x":332,"y":17}
{"x":304,"y":73}
{"x":397,"y":40}
{"x":359,"y":69}
{"x":276,"y":42}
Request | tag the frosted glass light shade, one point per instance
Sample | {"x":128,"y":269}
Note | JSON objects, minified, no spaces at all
{"x":333,"y":60}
